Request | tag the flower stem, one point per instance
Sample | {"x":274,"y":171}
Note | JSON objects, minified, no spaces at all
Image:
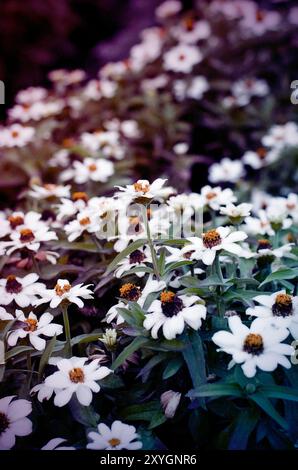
{"x":68,"y":350}
{"x":150,"y":243}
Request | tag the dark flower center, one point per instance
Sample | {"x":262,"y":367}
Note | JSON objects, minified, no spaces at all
{"x":171,"y":304}
{"x":12,"y":285}
{"x":4,"y":423}
{"x":264,"y":244}
{"x":253,"y":344}
{"x":130,"y":292}
{"x":283,"y":306}
{"x":211,"y":238}
{"x":26,"y":235}
{"x":15,"y":221}
{"x":137,"y":257}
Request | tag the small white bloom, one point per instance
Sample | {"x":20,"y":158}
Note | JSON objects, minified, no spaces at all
{"x":281,"y":136}
{"x":142,"y":189}
{"x":23,"y":290}
{"x":13,"y":421}
{"x":182,"y":58}
{"x":258,"y":346}
{"x":90,"y":169}
{"x":236,"y":213}
{"x":226,"y":170}
{"x":119,"y":436}
{"x":16,"y":135}
{"x":74,"y":376}
{"x":63,"y":291}
{"x":190,"y":31}
{"x":48,"y":191}
{"x":216,"y":196}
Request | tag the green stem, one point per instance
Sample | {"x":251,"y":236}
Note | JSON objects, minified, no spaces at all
{"x":218,"y":271}
{"x":68,"y":350}
{"x":150,"y":243}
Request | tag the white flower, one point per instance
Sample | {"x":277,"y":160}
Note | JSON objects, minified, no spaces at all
{"x":182,"y":58}
{"x":236,"y":213}
{"x":190,"y":31}
{"x":119,"y":436}
{"x":16,"y":136}
{"x":23,"y":290}
{"x":84,"y":222}
{"x":70,"y":207}
{"x":35,"y":111}
{"x":281,"y":135}
{"x":216,"y":197}
{"x":143,"y":190}
{"x":32,"y":327}
{"x":136,"y":259}
{"x":258,"y":21}
{"x":170,"y":401}
{"x":221,"y":238}
{"x":31,"y":95}
{"x":226,"y":170}
{"x":55,"y":444}
{"x":258,"y":346}
{"x":47,"y":191}
{"x":63,"y":291}
{"x":13,"y":421}
{"x":89,"y":170}
{"x":172,"y":313}
{"x":280,"y":307}
{"x":109,"y":338}
{"x":132,"y":293}
{"x":260,"y":158}
{"x":43,"y":391}
{"x":74,"y":376}
{"x":258,"y":225}
{"x":168,"y":8}
{"x":244,"y":90}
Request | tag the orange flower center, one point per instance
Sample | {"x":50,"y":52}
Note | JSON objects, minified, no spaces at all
{"x":130,"y":292}
{"x":77,"y":375}
{"x":62,"y":289}
{"x":211,"y":238}
{"x":79,"y":195}
{"x":253,"y":344}
{"x":141,"y":187}
{"x":167,"y":296}
{"x":15,"y":220}
{"x":114,"y":442}
{"x":31,"y":324}
{"x":26,"y":235}
{"x":85,"y":221}
{"x":262,"y":152}
{"x":92,"y":167}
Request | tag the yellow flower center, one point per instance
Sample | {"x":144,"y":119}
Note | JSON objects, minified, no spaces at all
{"x":167,"y":296}
{"x":62,"y":289}
{"x":130,"y":292}
{"x":211,"y":238}
{"x":31,"y":324}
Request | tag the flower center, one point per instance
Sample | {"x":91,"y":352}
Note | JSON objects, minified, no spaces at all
{"x":114,"y":442}
{"x":136,"y":257}
{"x":92,"y":167}
{"x":4,"y":423}
{"x":189,"y":24}
{"x":171,"y":304}
{"x":77,"y":375}
{"x":253,"y":344}
{"x":283,"y":306}
{"x":15,"y":134}
{"x":141,"y":187}
{"x":211,"y":238}
{"x":85,"y":221}
{"x":130,"y":292}
{"x":79,"y":196}
{"x":15,"y":220}
{"x":12,"y":285}
{"x":262,"y":152}
{"x":26,"y":235}
{"x":31,"y":324}
{"x":260,"y":15}
{"x":264,"y":244}
{"x":211,"y":195}
{"x":62,"y":289}
{"x":50,"y":186}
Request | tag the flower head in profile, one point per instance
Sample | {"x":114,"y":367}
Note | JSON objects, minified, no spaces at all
{"x":143,"y":191}
{"x":119,"y":436}
{"x":237,"y":213}
{"x":74,"y":376}
{"x":258,"y":346}
{"x":66,"y":293}
{"x":172,"y":312}
{"x":280,"y":308}
{"x":212,"y":241}
{"x":214,"y":197}
{"x":13,"y":421}
{"x":31,"y":327}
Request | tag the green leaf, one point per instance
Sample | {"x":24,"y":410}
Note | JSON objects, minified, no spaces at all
{"x":136,"y":344}
{"x":46,"y":356}
{"x":141,"y":412}
{"x":243,"y":426}
{"x":276,"y":391}
{"x":178,"y":264}
{"x":17,"y":351}
{"x":126,"y":252}
{"x":172,"y":368}
{"x":194,"y":357}
{"x":216,"y":390}
{"x":86,"y":338}
{"x":269,"y":409}
{"x":281,"y":274}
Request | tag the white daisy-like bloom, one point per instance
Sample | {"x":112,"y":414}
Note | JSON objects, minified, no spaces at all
{"x":13,"y":421}
{"x":212,"y":241}
{"x":184,"y":206}
{"x":190,"y":31}
{"x":281,"y":136}
{"x":143,"y":190}
{"x":145,"y":52}
{"x":119,"y":436}
{"x":62,"y":77}
{"x":16,"y":135}
{"x":35,"y":111}
{"x":64,"y":291}
{"x":109,"y":338}
{"x":23,"y":290}
{"x":170,"y":401}
{"x":31,"y":95}
{"x":216,"y":197}
{"x":236,"y":213}
{"x":136,"y":259}
{"x":55,"y":444}
{"x":276,"y":213}
{"x":5,"y":226}
{"x":97,"y":89}
{"x":260,"y":158}
{"x":33,"y":327}
{"x":226,"y":170}
{"x":74,"y":376}
{"x":245,"y":89}
{"x":130,"y":129}
{"x":49,"y":191}
{"x":258,"y":346}
{"x":132,"y":293}
{"x":280,"y":308}
{"x":168,"y":8}
{"x":258,"y":21}
{"x":258,"y":225}
{"x":70,"y":207}
{"x":84,"y":222}
{"x":172,"y":313}
{"x":182,"y":58}
{"x":94,"y":141}
{"x":90,"y":169}
{"x":29,"y":238}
